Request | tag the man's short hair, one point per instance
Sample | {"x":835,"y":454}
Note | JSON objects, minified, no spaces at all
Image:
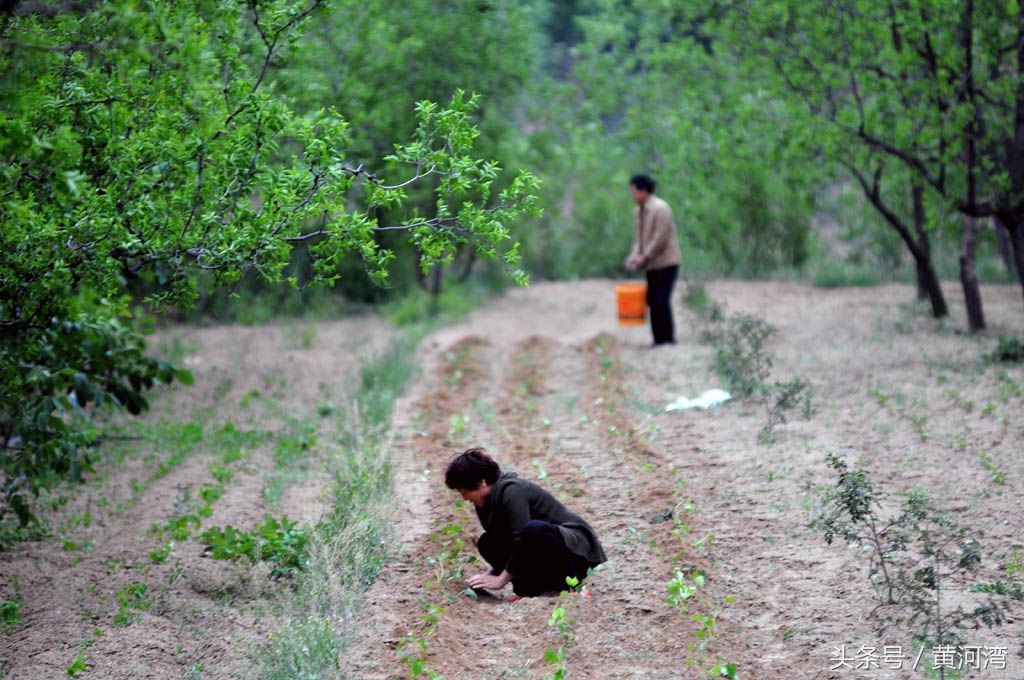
{"x":642,"y":182}
{"x":469,"y":468}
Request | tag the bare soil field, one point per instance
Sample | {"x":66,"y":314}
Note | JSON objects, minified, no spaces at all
{"x":182,"y":615}
{"x":555,"y":390}
{"x":545,"y":380}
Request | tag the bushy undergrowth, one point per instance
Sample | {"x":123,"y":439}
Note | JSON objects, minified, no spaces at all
{"x":743,"y":361}
{"x":1009,"y":349}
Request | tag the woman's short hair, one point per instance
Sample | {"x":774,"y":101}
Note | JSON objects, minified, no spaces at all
{"x":643,"y":183}
{"x":469,"y":468}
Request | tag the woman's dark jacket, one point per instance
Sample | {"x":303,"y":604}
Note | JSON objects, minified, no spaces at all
{"x":514,"y":501}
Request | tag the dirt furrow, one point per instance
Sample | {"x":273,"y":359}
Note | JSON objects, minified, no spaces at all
{"x":404,"y":602}
{"x":493,"y":638}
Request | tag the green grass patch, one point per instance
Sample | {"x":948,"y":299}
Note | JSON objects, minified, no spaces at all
{"x":10,"y":614}
{"x":840,"y":274}
{"x":453,"y":303}
{"x":345,"y":548}
{"x":1009,"y":349}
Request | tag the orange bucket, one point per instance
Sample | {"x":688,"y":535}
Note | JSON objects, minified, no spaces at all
{"x":632,"y":299}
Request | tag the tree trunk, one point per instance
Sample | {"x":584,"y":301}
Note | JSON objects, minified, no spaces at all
{"x":1016,"y":231}
{"x":922,"y":289}
{"x":1004,"y":245}
{"x":435,"y":288}
{"x":968,"y":278}
{"x":467,"y":267}
{"x":421,"y":278}
{"x":923,"y":242}
{"x":930,"y":281}
{"x":972,"y":131}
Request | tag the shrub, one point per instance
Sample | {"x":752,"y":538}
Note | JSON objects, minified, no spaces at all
{"x":741,"y":359}
{"x":1009,"y":349}
{"x":698,"y":301}
{"x":915,"y":558}
{"x":279,"y":543}
{"x":783,"y":398}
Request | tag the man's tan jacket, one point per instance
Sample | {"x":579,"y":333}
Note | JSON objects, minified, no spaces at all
{"x":654,"y":234}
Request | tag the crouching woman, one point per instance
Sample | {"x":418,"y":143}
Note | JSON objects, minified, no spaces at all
{"x":530,"y":539}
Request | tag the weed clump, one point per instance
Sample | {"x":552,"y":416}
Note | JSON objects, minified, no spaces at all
{"x":1008,"y":350}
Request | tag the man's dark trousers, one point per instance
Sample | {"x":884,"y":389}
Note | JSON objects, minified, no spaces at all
{"x":541,"y":563}
{"x":659,"y":298}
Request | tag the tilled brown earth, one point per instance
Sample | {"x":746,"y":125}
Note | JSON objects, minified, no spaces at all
{"x":560,"y":394}
{"x":196,"y":617}
{"x":546,"y":381}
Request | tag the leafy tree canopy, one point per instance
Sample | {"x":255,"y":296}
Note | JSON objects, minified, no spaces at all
{"x":146,"y":143}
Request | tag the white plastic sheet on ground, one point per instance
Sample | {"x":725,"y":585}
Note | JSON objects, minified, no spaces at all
{"x":710,"y":398}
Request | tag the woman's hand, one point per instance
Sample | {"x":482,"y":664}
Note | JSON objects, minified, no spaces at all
{"x":490,"y":581}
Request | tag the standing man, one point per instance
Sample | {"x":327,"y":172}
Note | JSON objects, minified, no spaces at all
{"x":655,"y":251}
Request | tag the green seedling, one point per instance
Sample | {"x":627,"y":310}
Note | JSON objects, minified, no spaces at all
{"x":556,"y":658}
{"x":78,"y":665}
{"x":724,"y":670}
{"x":458,"y":423}
{"x":449,"y":561}
{"x":160,"y":555}
{"x":680,"y":591}
{"x":415,"y":661}
{"x":10,"y":614}
{"x":280,"y":543}
{"x":131,"y":599}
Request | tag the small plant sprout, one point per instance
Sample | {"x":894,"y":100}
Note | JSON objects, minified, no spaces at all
{"x":556,"y":658}
{"x":783,"y":398}
{"x":280,"y":543}
{"x":449,"y":561}
{"x":680,"y":591}
{"x":132,"y":598}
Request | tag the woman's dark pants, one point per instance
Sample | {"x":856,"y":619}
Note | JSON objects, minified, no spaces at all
{"x":542,"y":562}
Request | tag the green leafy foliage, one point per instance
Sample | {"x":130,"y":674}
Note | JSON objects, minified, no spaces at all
{"x":725,"y":670}
{"x":147,"y":150}
{"x":77,"y":665}
{"x":449,"y":561}
{"x":70,"y":370}
{"x":131,"y":599}
{"x":680,"y":590}
{"x":915,"y":558}
{"x":279,"y":542}
{"x":10,"y":614}
{"x":557,"y":658}
{"x":1008,"y":349}
{"x":741,"y":358}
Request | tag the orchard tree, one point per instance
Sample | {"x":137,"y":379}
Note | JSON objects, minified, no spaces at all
{"x":934,"y":87}
{"x":376,"y":60}
{"x":150,"y":142}
{"x":647,"y":87}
